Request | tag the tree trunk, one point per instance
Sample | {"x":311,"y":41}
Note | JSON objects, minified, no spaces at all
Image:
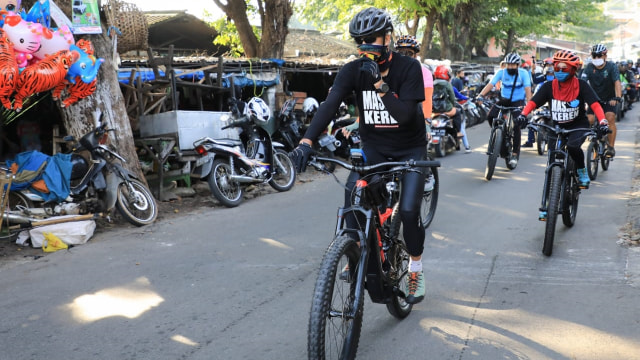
{"x":78,"y":118}
{"x":508,"y":47}
{"x":427,"y":35}
{"x":274,"y":15}
{"x":445,"y":36}
{"x":236,"y":10}
{"x":275,"y":28}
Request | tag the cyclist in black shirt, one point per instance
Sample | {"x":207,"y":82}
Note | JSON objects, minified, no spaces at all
{"x":389,"y":90}
{"x":604,"y":78}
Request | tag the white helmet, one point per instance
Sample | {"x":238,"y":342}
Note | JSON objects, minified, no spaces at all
{"x":259,"y":109}
{"x":310,"y":106}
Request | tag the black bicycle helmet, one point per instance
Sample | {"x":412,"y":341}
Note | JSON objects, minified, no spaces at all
{"x":408,"y":42}
{"x":512,"y":58}
{"x":370,"y":21}
{"x":599,"y":49}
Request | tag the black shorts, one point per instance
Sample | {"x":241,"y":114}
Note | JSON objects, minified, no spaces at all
{"x":606,"y":107}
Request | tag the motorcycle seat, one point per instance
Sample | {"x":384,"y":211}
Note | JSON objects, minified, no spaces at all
{"x":228,"y":142}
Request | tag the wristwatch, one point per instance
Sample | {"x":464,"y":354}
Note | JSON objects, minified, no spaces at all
{"x":384,"y":88}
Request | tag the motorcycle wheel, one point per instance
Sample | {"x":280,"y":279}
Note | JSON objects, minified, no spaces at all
{"x":285,"y":173}
{"x":135,"y":203}
{"x":228,"y":192}
{"x":17,"y":200}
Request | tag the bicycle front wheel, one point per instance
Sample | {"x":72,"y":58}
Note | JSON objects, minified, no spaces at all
{"x":334,"y":322}
{"x":495,"y":142}
{"x":553,"y":204}
{"x":430,"y":200}
{"x":592,"y":160}
{"x":571,"y":195}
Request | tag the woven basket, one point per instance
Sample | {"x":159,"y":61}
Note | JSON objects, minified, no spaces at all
{"x":132,"y":24}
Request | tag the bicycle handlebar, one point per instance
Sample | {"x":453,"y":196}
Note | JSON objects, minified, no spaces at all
{"x":316,"y":162}
{"x":557,"y":129}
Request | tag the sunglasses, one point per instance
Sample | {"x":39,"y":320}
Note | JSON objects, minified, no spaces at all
{"x":561,"y":69}
{"x":597,"y":56}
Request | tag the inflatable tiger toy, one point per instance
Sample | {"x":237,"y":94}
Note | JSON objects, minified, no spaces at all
{"x":8,"y":70}
{"x":80,"y":80}
{"x":43,"y":76}
{"x":76,"y":91}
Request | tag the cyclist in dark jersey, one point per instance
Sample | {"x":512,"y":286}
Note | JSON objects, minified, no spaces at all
{"x":604,"y":78}
{"x":389,"y":90}
{"x":567,"y":96}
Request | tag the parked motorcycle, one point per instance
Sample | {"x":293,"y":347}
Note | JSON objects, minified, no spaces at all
{"x":444,"y":136}
{"x":230,"y":165}
{"x":472,"y":112}
{"x":290,"y":128}
{"x":99,"y":183}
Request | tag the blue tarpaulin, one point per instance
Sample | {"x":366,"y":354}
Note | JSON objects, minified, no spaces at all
{"x":146,"y":74}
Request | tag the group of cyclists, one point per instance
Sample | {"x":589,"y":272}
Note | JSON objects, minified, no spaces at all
{"x":393,"y":96}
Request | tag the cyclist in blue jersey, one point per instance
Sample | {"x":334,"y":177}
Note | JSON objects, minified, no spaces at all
{"x":514,"y":91}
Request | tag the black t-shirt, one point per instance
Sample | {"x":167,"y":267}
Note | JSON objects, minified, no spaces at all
{"x":602,"y":80}
{"x":392,"y":122}
{"x":564,"y":112}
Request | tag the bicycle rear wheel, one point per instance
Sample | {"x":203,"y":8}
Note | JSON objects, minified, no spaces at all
{"x":541,"y":143}
{"x":592,"y":160}
{"x":398,"y":270}
{"x":552,"y":209}
{"x":430,"y":200}
{"x":571,"y":194}
{"x":334,"y":323}
{"x":495,"y":142}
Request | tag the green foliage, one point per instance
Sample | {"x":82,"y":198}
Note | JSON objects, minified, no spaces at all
{"x":228,"y":36}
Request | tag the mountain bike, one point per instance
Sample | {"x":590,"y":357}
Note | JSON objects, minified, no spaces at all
{"x":596,"y":151}
{"x":542,"y":114}
{"x":374,"y":256}
{"x":561,"y":190}
{"x":501,"y":139}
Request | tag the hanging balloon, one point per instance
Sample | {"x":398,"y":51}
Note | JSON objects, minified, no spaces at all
{"x":86,"y":67}
{"x":10,"y":5}
{"x":54,"y":41}
{"x":8,"y":70}
{"x":25,"y":37}
{"x":42,"y":76}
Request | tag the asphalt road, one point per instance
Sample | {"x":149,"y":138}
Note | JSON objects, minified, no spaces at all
{"x":237,"y":283}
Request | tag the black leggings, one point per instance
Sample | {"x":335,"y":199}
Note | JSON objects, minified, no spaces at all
{"x":410,"y":199}
{"x":575,"y":141}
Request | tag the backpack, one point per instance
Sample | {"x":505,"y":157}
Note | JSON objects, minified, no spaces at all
{"x":440,"y":100}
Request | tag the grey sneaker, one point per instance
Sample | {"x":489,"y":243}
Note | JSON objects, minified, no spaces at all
{"x":416,"y":287}
{"x":429,"y":183}
{"x":467,"y":150}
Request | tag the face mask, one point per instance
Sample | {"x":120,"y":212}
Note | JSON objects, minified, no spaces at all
{"x":550,"y":77}
{"x":377,"y":53}
{"x":562,"y":76}
{"x":597,"y":62}
{"x":512,"y":71}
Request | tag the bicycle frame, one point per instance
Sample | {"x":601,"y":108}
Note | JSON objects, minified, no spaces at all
{"x":372,"y":253}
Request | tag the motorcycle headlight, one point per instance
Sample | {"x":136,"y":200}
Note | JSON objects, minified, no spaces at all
{"x":435,"y":123}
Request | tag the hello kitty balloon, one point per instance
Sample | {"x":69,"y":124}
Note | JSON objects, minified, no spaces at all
{"x":25,"y":37}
